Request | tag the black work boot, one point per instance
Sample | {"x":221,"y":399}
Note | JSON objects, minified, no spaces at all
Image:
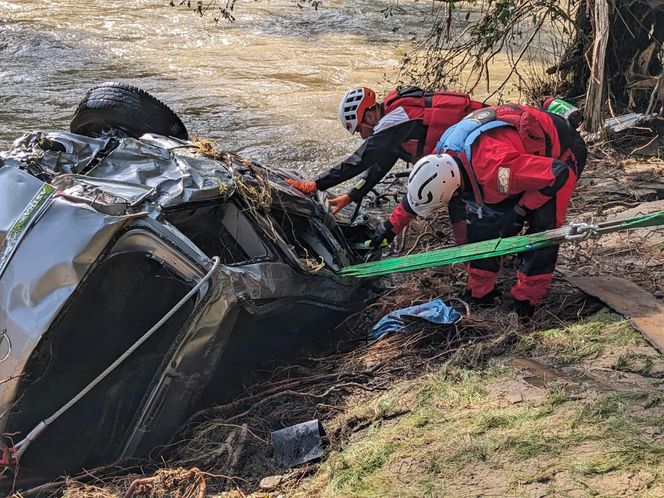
{"x":523,"y":309}
{"x":486,"y":300}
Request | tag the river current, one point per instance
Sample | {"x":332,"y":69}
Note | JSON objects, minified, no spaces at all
{"x":266,"y":86}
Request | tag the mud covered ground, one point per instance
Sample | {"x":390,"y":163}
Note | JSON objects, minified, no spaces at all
{"x":569,"y":405}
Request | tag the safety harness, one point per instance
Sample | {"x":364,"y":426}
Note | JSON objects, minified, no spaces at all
{"x":536,"y":131}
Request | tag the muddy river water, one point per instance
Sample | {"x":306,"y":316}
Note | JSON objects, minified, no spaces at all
{"x":267,"y":86}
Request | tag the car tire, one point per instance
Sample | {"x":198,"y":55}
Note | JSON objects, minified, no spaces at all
{"x":117,"y":107}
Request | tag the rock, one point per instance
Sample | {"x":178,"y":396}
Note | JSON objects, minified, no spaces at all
{"x":514,"y":398}
{"x":270,"y":482}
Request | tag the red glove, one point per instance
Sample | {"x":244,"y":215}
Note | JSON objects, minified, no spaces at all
{"x":338,"y":203}
{"x":304,"y":187}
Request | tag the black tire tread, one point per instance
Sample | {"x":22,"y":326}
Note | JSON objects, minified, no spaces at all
{"x":128,"y":107}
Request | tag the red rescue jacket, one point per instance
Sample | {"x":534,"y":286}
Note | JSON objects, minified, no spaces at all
{"x":524,"y":156}
{"x":524,"y":166}
{"x":438,"y":111}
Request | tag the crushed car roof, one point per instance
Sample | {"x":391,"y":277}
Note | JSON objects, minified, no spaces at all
{"x":121,"y":175}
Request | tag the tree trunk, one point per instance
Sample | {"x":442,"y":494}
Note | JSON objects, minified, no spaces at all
{"x":596,"y":84}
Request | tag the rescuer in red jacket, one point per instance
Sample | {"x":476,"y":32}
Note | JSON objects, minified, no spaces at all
{"x":406,"y":125}
{"x":498,"y":168}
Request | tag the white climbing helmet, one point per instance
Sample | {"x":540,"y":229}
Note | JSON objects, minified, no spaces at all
{"x":432,"y":183}
{"x":353,"y":106}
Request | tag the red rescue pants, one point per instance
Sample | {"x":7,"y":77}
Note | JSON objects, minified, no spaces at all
{"x":534,"y":268}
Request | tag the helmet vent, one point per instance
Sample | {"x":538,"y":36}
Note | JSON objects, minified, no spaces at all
{"x":412,"y":175}
{"x":424,"y":184}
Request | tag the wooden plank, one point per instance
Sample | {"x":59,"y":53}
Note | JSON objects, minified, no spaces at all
{"x":643,"y":311}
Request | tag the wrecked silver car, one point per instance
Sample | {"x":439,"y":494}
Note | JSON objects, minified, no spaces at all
{"x":136,"y":273}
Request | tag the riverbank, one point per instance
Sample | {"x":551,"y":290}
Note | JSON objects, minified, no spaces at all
{"x":569,"y":411}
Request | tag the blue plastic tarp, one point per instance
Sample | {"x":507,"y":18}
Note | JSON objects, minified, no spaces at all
{"x":435,"y":312}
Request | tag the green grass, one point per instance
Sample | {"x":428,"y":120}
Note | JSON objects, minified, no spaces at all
{"x":450,"y":425}
{"x":439,"y":390}
{"x":625,"y":447}
{"x":453,"y":425}
{"x":581,"y":341}
{"x":607,"y":408}
{"x":358,"y":463}
{"x":557,"y":396}
{"x":648,"y":365}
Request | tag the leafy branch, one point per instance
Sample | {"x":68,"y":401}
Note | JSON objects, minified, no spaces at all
{"x":223,"y":10}
{"x":467,"y":36}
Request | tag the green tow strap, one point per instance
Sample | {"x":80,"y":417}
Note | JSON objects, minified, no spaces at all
{"x":498,"y":247}
{"x":645,"y":220}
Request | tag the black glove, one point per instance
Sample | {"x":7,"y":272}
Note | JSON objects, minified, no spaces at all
{"x":384,"y":236}
{"x":511,"y":223}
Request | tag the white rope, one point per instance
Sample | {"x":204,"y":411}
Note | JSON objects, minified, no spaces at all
{"x":22,"y":445}
{"x":3,"y":336}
